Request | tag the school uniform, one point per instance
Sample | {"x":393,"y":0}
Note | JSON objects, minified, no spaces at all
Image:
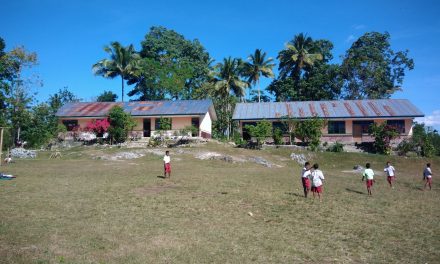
{"x":369,"y":175}
{"x":167,"y":164}
{"x":427,"y":174}
{"x":390,"y":173}
{"x":305,"y":178}
{"x":317,"y":177}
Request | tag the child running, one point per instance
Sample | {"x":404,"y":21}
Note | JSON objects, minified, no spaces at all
{"x":317,"y":178}
{"x":167,"y":164}
{"x":305,"y":174}
{"x":369,"y":176}
{"x":427,"y":176}
{"x":389,"y":169}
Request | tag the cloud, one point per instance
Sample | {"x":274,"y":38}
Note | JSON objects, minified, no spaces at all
{"x":358,"y":26}
{"x":430,"y":120}
{"x":350,"y":38}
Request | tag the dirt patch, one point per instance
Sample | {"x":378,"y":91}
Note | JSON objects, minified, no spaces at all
{"x":152,"y":190}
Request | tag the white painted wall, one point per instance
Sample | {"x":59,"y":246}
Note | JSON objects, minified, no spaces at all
{"x":206,"y":124}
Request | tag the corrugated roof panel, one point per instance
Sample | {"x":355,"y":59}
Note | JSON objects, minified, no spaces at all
{"x":141,"y":108}
{"x":328,"y":109}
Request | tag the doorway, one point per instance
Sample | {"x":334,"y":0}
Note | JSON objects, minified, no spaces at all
{"x":147,"y":127}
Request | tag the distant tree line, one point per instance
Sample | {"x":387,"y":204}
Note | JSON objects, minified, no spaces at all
{"x":170,"y":67}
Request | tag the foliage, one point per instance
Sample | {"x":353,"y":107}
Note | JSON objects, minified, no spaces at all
{"x":425,"y":141}
{"x":290,"y":123}
{"x":256,"y":66}
{"x":120,"y":124}
{"x":223,"y":126}
{"x":336,"y":147}
{"x":238,"y":139}
{"x":260,"y":131}
{"x":107,"y":96}
{"x":60,"y":98}
{"x":189,"y":130}
{"x":164,"y":123}
{"x":371,"y":69}
{"x":383,"y":135}
{"x":277,"y":136}
{"x":99,"y":126}
{"x":305,"y":72}
{"x":121,"y":63}
{"x":310,"y":131}
{"x":41,"y":126}
{"x":171,"y":67}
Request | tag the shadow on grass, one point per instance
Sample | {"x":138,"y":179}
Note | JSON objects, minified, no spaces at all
{"x":161,"y":176}
{"x":294,"y":194}
{"x":354,"y":191}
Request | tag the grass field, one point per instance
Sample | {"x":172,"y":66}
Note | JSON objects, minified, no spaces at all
{"x":81,"y":210}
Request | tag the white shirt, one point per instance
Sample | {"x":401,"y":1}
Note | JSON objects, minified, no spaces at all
{"x":427,"y":172}
{"x":317,"y":177}
{"x":305,"y":173}
{"x":369,"y":174}
{"x":166,"y":159}
{"x":389,"y":170}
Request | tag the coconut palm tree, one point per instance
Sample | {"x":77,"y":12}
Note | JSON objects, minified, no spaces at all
{"x":257,"y":66}
{"x":226,"y":80}
{"x":120,"y":63}
{"x":299,"y":53}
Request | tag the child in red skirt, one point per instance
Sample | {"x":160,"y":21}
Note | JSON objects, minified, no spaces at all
{"x":317,"y":179}
{"x":305,"y":174}
{"x":369,"y":176}
{"x":167,"y":164}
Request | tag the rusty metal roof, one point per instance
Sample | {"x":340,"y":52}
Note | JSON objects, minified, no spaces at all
{"x":139,"y":108}
{"x":381,"y":108}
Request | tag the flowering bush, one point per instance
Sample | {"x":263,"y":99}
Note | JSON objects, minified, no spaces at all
{"x":99,"y":127}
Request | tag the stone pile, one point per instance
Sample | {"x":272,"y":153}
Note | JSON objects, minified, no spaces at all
{"x":21,"y":153}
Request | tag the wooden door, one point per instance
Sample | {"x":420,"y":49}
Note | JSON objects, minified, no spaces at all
{"x":147,"y":127}
{"x":357,"y":133}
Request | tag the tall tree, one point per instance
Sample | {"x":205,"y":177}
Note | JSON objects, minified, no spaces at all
{"x":371,"y":69}
{"x":256,"y":66}
{"x":60,"y":98}
{"x":226,"y":80}
{"x":107,"y":96}
{"x":172,"y":67}
{"x":120,"y":63}
{"x":300,"y":52}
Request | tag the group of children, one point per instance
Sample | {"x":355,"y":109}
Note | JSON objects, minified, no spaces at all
{"x":312,"y":177}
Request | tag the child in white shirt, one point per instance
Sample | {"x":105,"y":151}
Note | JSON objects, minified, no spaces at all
{"x":317,"y":178}
{"x":391,"y":176}
{"x":167,"y":164}
{"x":427,"y":175}
{"x":369,"y":176}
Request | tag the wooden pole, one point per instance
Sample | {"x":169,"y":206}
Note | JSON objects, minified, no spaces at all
{"x":1,"y":144}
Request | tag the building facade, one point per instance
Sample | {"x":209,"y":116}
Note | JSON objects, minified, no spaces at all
{"x":346,"y":120}
{"x":147,"y":114}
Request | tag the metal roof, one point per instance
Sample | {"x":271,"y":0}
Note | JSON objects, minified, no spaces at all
{"x":381,"y":108}
{"x":139,"y":108}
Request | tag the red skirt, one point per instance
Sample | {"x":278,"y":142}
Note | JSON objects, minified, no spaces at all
{"x":167,"y":167}
{"x":317,"y":189}
{"x":390,"y":179}
{"x":369,"y":183}
{"x":306,"y":182}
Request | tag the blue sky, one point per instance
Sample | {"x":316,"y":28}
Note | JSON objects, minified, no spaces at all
{"x":69,"y":36}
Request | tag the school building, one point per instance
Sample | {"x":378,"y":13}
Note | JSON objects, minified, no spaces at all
{"x":182,"y":113}
{"x":347,"y":121}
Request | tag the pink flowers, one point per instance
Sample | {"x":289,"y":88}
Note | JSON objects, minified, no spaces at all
{"x":99,"y":126}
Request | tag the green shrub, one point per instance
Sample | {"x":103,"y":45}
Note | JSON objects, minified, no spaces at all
{"x":277,"y":136}
{"x":383,"y":135}
{"x":120,"y":124}
{"x":310,"y":132}
{"x":260,"y":131}
{"x":337,"y":147}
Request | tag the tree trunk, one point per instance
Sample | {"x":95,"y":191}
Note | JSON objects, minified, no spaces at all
{"x":122,"y":79}
{"x":258,"y":84}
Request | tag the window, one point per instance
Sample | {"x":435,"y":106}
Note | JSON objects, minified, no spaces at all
{"x":336,"y":127}
{"x":70,"y":124}
{"x":398,"y":124}
{"x":280,"y":126}
{"x":365,"y":125}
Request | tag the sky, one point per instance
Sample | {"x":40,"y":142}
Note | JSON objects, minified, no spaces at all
{"x":69,"y":36}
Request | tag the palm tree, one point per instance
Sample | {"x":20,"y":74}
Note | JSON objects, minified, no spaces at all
{"x":299,"y":53}
{"x":120,"y":62}
{"x":257,"y":66}
{"x":226,"y":79}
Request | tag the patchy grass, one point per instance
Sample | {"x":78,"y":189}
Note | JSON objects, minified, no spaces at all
{"x":79,"y":210}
